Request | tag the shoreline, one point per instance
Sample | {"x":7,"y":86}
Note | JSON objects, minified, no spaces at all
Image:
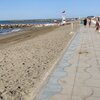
{"x":12,"y":28}
{"x":29,"y":61}
{"x":24,"y":35}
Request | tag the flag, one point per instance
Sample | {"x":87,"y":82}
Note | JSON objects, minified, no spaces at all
{"x":63,"y":12}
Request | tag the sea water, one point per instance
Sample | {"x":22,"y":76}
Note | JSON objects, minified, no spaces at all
{"x":4,"y":31}
{"x":9,"y":30}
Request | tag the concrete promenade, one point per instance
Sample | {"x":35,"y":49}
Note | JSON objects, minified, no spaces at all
{"x":77,"y":75}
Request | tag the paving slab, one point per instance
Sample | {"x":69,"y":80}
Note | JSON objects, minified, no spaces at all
{"x":77,"y":74}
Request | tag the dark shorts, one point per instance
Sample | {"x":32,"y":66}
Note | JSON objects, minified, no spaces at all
{"x":97,"y":28}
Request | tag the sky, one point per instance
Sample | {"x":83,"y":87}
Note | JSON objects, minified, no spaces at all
{"x":45,"y":9}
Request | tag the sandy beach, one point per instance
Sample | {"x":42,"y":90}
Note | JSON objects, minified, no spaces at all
{"x":25,"y":57}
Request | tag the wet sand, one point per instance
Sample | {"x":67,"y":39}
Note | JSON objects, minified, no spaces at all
{"x":26,"y":57}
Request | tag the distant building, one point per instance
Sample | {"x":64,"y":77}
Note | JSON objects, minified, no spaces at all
{"x":90,"y":16}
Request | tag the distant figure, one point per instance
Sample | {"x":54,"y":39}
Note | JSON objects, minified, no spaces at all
{"x":89,"y":22}
{"x":97,"y":25}
{"x":85,"y":22}
{"x":98,"y":19}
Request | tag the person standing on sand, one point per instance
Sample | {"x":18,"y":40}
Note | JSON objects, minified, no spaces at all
{"x":85,"y":22}
{"x":89,"y":22}
{"x":97,"y":25}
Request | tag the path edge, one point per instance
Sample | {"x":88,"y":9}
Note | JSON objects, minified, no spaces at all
{"x":44,"y":80}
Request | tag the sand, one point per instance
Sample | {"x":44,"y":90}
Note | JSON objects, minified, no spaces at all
{"x":26,"y":57}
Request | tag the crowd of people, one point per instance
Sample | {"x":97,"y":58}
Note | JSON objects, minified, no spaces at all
{"x":87,"y":21}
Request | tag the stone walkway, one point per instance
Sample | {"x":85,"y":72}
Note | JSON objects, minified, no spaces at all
{"x":77,"y":75}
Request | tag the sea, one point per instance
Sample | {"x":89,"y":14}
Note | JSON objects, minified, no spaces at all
{"x":4,"y":31}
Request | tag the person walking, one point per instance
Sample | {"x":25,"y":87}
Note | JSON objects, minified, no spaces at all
{"x":97,"y":25}
{"x":89,"y":22}
{"x":85,"y":22}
